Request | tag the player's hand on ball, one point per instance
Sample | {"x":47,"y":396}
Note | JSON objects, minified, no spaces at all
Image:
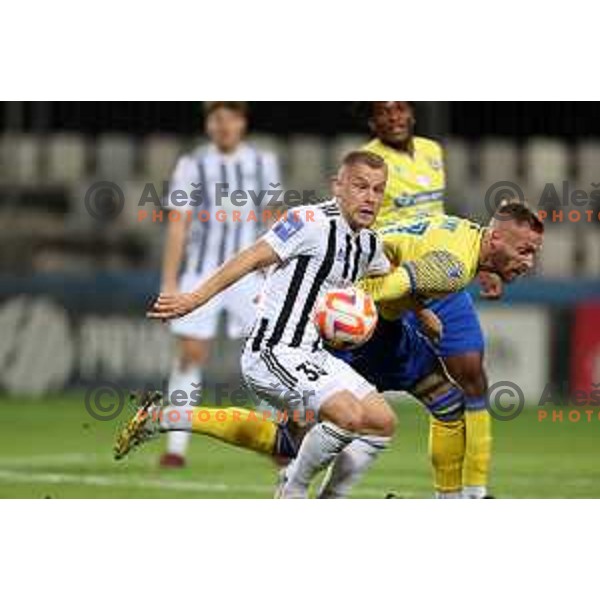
{"x":491,"y":285}
{"x":431,"y":324}
{"x":172,"y":306}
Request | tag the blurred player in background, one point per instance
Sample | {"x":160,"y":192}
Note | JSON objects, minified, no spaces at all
{"x":193,"y":250}
{"x":460,"y":442}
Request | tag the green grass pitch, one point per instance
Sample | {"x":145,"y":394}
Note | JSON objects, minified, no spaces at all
{"x":53,"y":449}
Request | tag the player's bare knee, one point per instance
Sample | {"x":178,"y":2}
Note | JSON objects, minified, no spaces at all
{"x":344,"y":411}
{"x":387,"y":422}
{"x":379,"y":418}
{"x":352,"y":420}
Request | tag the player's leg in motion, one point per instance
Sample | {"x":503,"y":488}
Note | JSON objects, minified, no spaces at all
{"x":236,"y":426}
{"x":351,"y":432}
{"x":249,"y":429}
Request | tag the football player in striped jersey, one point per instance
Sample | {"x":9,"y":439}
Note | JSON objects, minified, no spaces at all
{"x":195,"y":247}
{"x":312,"y":251}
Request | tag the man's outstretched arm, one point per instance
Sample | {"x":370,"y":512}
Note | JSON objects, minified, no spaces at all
{"x":438,"y":272}
{"x":170,"y":306}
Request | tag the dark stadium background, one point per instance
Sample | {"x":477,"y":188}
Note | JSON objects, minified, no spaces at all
{"x":73,"y":290}
{"x":473,"y":120}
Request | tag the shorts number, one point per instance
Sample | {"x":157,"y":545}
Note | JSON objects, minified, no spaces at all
{"x":312,"y":371}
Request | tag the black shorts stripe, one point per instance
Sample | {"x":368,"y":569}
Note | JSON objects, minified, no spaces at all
{"x":281,"y":367}
{"x":320,"y":278}
{"x":276,"y":369}
{"x":269,"y":365}
{"x":290,"y":300}
{"x":357,"y":256}
{"x":260,"y":335}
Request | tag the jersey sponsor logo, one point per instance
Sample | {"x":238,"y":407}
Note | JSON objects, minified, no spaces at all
{"x":292,"y":224}
{"x":407,"y":200}
{"x":415,"y":228}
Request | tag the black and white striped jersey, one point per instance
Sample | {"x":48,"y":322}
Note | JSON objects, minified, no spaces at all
{"x":319,"y":252}
{"x":225,"y":219}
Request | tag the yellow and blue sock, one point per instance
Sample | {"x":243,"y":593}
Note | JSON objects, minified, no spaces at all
{"x":447,"y":450}
{"x":478,"y":435}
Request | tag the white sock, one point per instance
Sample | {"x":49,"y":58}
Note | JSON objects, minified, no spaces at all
{"x":350,"y":465}
{"x":182,"y":381}
{"x":448,"y":495}
{"x":474,"y":492}
{"x":319,"y":447}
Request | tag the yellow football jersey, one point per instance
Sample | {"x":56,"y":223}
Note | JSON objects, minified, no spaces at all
{"x":416,"y":183}
{"x":436,"y":255}
{"x":413,"y":239}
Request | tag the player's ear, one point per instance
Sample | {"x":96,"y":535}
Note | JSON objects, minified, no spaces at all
{"x":335,"y":186}
{"x":496,"y":237}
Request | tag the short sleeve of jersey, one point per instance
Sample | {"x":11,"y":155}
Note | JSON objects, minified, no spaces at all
{"x":379,"y":265}
{"x":296,"y":235}
{"x":184,"y":188}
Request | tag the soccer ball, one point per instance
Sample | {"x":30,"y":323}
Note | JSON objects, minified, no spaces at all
{"x":346,"y":318}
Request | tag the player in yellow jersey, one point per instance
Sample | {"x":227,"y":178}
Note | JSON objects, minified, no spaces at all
{"x":416,"y":178}
{"x":460,"y":448}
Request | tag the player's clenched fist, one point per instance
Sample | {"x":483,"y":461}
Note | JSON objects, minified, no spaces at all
{"x":491,"y":285}
{"x":172,"y":306}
